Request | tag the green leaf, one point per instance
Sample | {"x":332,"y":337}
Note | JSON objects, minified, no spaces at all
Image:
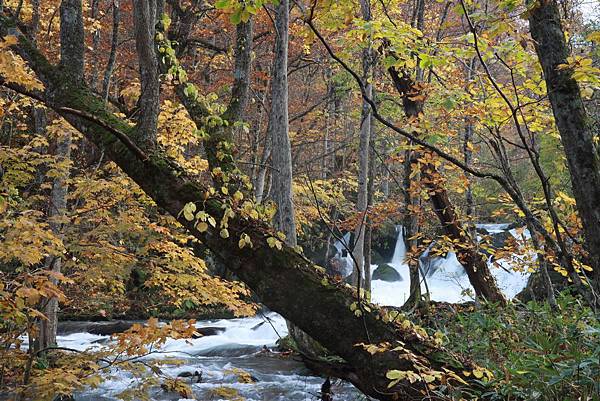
{"x":188,"y":211}
{"x":395,"y":374}
{"x":221,"y":4}
{"x":236,"y":17}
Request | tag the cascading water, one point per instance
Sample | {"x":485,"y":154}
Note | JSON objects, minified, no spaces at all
{"x":445,"y":277}
{"x":399,"y":249}
{"x":238,"y":345}
{"x":343,"y":255}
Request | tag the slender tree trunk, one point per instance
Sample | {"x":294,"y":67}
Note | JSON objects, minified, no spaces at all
{"x":370,"y":200}
{"x":95,"y":71}
{"x":241,"y":72}
{"x":144,"y":12}
{"x":468,"y":157}
{"x":410,"y":226}
{"x":72,"y":62}
{"x":112,"y":57}
{"x":38,"y":114}
{"x":363,"y":155}
{"x":573,"y":123}
{"x":281,"y":154}
{"x":259,"y":187}
{"x":56,"y":214}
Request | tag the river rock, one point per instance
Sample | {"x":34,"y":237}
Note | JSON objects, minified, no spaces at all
{"x":119,"y":326}
{"x":208,"y":331}
{"x":383,"y":243}
{"x":98,"y":328}
{"x":386,"y":272}
{"x":196,"y":376}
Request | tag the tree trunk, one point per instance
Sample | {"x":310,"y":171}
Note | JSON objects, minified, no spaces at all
{"x":370,"y":200}
{"x":259,"y":186}
{"x":149,"y":100}
{"x":572,"y":121}
{"x":72,"y":62}
{"x":281,"y":154}
{"x":241,"y":72}
{"x":468,"y":158}
{"x":56,"y":213}
{"x":412,"y":199}
{"x":94,"y":14}
{"x":358,"y":251}
{"x":112,"y":57}
{"x":72,"y":44}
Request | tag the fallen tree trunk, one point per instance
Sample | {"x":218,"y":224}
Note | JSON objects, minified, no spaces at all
{"x":392,"y":350}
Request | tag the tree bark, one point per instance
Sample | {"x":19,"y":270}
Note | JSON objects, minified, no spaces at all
{"x":370,"y":200}
{"x":72,"y":44}
{"x":468,"y":158}
{"x":358,"y":250}
{"x":56,"y":213}
{"x":412,"y":199}
{"x":94,"y":14}
{"x":72,"y":62}
{"x":112,"y":57}
{"x":144,"y":12}
{"x":241,"y":72}
{"x":573,"y":123}
{"x":281,"y":154}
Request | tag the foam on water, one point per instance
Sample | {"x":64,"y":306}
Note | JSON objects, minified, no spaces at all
{"x":247,"y":333}
{"x":449,"y":283}
{"x":240,"y":341}
{"x":238,"y":346}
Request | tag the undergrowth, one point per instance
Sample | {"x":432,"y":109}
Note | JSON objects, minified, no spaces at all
{"x":535,"y":352}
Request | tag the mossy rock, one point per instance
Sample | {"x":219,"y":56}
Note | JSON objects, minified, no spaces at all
{"x":386,"y":272}
{"x":383,"y":243}
{"x":287,"y":343}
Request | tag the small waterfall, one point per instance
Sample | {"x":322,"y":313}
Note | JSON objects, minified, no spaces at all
{"x":343,"y":255}
{"x":400,"y":249}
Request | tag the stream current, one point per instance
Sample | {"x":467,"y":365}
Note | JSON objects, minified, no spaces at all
{"x":248,"y":343}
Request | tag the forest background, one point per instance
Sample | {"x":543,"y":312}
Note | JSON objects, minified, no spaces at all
{"x":166,"y":159}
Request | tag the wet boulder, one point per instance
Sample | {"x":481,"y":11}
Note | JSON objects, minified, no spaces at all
{"x":195,"y":376}
{"x":386,"y":272}
{"x":208,"y":331}
{"x":109,"y":328}
{"x":99,"y":328}
{"x":383,"y":243}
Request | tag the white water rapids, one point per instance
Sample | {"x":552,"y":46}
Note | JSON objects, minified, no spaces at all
{"x":449,"y":281}
{"x":239,"y":346}
{"x":240,"y":343}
